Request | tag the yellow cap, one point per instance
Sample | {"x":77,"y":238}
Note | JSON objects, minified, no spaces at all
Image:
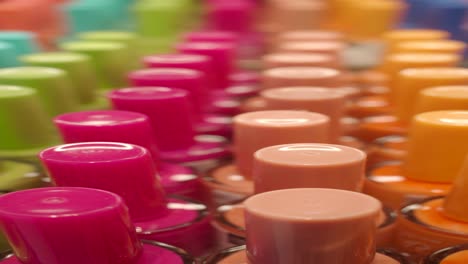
{"x":456,"y":201}
{"x":437,"y":146}
{"x":443,"y":98}
{"x":411,"y":82}
{"x":431,"y":46}
{"x":393,"y":37}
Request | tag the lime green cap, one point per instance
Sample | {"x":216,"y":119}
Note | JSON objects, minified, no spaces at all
{"x":26,"y":127}
{"x":52,"y":85}
{"x":110,"y":60}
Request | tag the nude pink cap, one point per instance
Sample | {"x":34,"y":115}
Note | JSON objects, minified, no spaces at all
{"x":290,"y":59}
{"x":332,"y":48}
{"x":256,"y":130}
{"x":301,"y":76}
{"x":311,"y":225}
{"x":308,"y":166}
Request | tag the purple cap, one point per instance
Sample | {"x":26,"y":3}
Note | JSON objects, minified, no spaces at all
{"x":189,"y":80}
{"x":234,"y":16}
{"x":222,"y":55}
{"x":68,"y":225}
{"x":121,"y":168}
{"x":212,"y":36}
{"x":168,"y":109}
{"x":108,"y":125}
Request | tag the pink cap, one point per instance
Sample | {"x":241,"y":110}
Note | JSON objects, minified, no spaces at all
{"x":314,"y":99}
{"x":301,"y":76}
{"x":234,"y":16}
{"x":311,"y":226}
{"x":311,"y":35}
{"x":196,"y":62}
{"x":308,"y":166}
{"x":276,"y":60}
{"x":108,"y":125}
{"x":256,"y":130}
{"x":185,"y":79}
{"x":212,"y":36}
{"x":332,"y":48}
{"x":68,"y":225}
{"x":168,"y":110}
{"x":222,"y":55}
{"x":124,"y":169}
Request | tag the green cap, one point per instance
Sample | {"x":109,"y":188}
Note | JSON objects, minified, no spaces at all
{"x":52,"y":85}
{"x":110,"y":60}
{"x":26,"y":127}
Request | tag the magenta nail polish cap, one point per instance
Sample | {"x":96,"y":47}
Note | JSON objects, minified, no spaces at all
{"x":108,"y":125}
{"x":68,"y":225}
{"x":222,"y":55}
{"x":231,"y":15}
{"x":212,"y":36}
{"x":124,"y":169}
{"x":186,"y":79}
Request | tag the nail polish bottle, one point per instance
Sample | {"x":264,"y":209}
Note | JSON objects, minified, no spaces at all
{"x":110,"y":60}
{"x":400,"y":183}
{"x":169,"y":112}
{"x":76,"y":225}
{"x":394,"y":37}
{"x":193,"y":82}
{"x":344,"y":167}
{"x":409,"y":84}
{"x":451,"y":255}
{"x":223,"y":57}
{"x":53,"y":86}
{"x":433,"y":46}
{"x":435,"y":223}
{"x":79,"y":69}
{"x":431,"y":99}
{"x":283,"y":216}
{"x":243,"y":84}
{"x":256,"y":130}
{"x":131,"y":128}
{"x":128,"y":170}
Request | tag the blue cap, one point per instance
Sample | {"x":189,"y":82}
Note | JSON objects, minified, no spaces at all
{"x":24,"y":42}
{"x":87,"y":15}
{"x":8,"y":56}
{"x":448,"y":15}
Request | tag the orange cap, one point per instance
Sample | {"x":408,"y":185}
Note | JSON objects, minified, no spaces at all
{"x":256,"y":130}
{"x":314,"y":99}
{"x":443,"y":98}
{"x":393,"y":37}
{"x":437,"y":146}
{"x":411,"y":82}
{"x":332,"y":48}
{"x":308,"y":166}
{"x":252,"y":104}
{"x":312,"y":224}
{"x":275,"y":60}
{"x":372,"y":78}
{"x":456,"y":201}
{"x":431,"y":46}
{"x":301,"y":76}
{"x":311,"y":35}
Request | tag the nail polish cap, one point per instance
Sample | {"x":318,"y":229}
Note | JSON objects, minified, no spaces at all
{"x":52,"y":85}
{"x":24,"y":122}
{"x":221,"y":54}
{"x":411,"y":82}
{"x":451,"y":97}
{"x":394,"y":37}
{"x":293,"y":59}
{"x":394,"y":63}
{"x":298,"y":15}
{"x":8,"y":55}
{"x":160,"y":19}
{"x":256,"y":130}
{"x":169,"y":111}
{"x":88,"y":15}
{"x":313,"y":99}
{"x":309,"y":165}
{"x":121,"y":168}
{"x":109,"y":59}
{"x":332,"y":48}
{"x":449,"y":15}
{"x":236,"y":16}
{"x":303,"y":218}
{"x":109,"y":126}
{"x":24,"y":42}
{"x":57,"y":225}
{"x":301,"y":76}
{"x":212,"y":36}
{"x":455,"y":201}
{"x":311,"y":35}
{"x":78,"y":66}
{"x":124,"y":37}
{"x":446,"y":134}
{"x":189,"y":80}
{"x":432,"y":46}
